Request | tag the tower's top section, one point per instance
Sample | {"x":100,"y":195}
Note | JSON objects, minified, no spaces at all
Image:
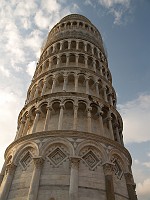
{"x":75,"y":26}
{"x":75,"y":17}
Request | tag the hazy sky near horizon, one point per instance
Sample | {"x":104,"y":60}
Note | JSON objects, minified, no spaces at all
{"x":125,"y":29}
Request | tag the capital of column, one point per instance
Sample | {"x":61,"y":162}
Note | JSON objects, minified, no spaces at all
{"x":116,"y":125}
{"x":38,"y":162}
{"x":49,"y":107}
{"x":61,"y":106}
{"x":108,"y":168}
{"x":75,"y":107}
{"x":129,"y":178}
{"x":37,"y":111}
{"x":75,"y":162}
{"x":10,"y":168}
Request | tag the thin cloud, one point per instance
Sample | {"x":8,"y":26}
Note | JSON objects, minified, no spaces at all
{"x":143,"y":189}
{"x":136,"y":115}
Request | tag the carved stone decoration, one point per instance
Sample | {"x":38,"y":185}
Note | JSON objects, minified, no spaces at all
{"x":57,"y":156}
{"x":26,"y":160}
{"x":69,"y":128}
{"x":10,"y":168}
{"x":108,"y":168}
{"x":75,"y":162}
{"x":38,"y":162}
{"x":129,"y":178}
{"x":91,"y":159}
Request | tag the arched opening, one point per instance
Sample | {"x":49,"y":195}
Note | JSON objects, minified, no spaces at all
{"x":73,"y":45}
{"x":74,"y":23}
{"x":81,"y":84}
{"x":72,"y":58}
{"x":94,"y":118}
{"x":80,"y":24}
{"x":68,"y":24}
{"x":92,"y":87}
{"x":53,"y":124}
{"x":71,"y":83}
{"x":59,"y":83}
{"x":90,"y":63}
{"x":86,"y":27}
{"x":82,"y":117}
{"x":89,"y":49}
{"x":65,"y":45}
{"x":81,"y":46}
{"x":68,"y":116}
{"x":49,"y":85}
{"x":55,"y":60}
{"x":63,"y":59}
{"x":81,"y":59}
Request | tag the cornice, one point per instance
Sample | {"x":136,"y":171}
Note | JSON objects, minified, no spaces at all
{"x":72,"y":134}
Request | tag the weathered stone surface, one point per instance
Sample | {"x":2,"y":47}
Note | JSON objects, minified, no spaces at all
{"x":69,"y":139}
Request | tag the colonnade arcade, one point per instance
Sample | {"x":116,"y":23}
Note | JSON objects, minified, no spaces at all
{"x":71,"y":114}
{"x":88,"y":154}
{"x":94,"y":61}
{"x":75,"y":24}
{"x":72,"y":82}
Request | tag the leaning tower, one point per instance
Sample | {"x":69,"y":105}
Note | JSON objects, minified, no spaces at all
{"x":69,"y":142}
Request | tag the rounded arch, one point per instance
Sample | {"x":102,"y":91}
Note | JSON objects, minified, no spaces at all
{"x":96,"y":145}
{"x":23,"y":148}
{"x":51,"y":142}
{"x":115,"y":153}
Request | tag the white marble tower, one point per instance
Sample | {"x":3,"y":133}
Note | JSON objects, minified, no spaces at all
{"x":69,"y":143}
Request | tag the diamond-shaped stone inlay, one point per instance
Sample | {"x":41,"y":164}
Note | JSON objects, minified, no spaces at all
{"x":57,"y":156}
{"x":25,"y":161}
{"x":91,"y":159}
{"x":117,"y":169}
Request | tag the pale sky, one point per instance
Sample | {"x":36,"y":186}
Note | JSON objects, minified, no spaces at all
{"x":125,"y":28}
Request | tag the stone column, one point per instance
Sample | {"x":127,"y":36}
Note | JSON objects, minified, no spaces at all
{"x":85,"y":47}
{"x":130,"y":186}
{"x":58,"y":61}
{"x":20,"y":131}
{"x":60,"y":121}
{"x":48,"y":114}
{"x":77,"y":58}
{"x":36,"y":92}
{"x":86,"y":61}
{"x":34,"y":185}
{"x":89,"y":119}
{"x":44,"y":87}
{"x":65,"y":83}
{"x":109,"y":118}
{"x":36,"y":120}
{"x":26,"y":126}
{"x":105,"y":95}
{"x":53,"y":85}
{"x":101,"y":121}
{"x":2,"y":172}
{"x":121,"y":137}
{"x":108,"y":171}
{"x":75,"y":117}
{"x":76,"y":83}
{"x":87,"y":85}
{"x":69,"y":44}
{"x":61,"y":45}
{"x":110,"y":98}
{"x":94,"y":65}
{"x":77,"y":45}
{"x":10,"y":171}
{"x":50,"y":64}
{"x":73,"y":189}
{"x":97,"y":89}
{"x":116,"y":125}
{"x":67,"y":60}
